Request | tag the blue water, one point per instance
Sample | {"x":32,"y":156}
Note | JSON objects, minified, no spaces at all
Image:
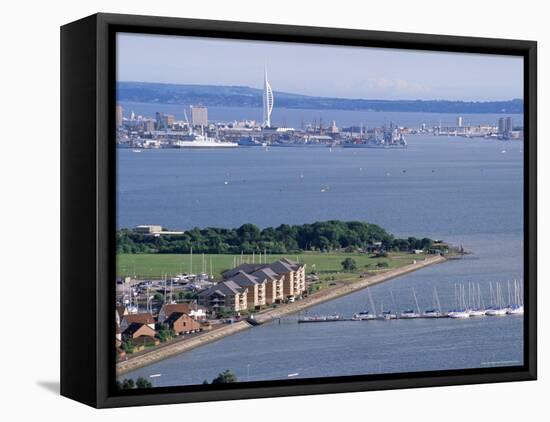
{"x":462,"y":190}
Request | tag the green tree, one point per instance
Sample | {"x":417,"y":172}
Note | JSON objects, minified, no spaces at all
{"x":226,"y":377}
{"x":128,"y":346}
{"x":349,"y":264}
{"x":143,"y":383}
{"x":382,"y":264}
{"x":128,"y":384}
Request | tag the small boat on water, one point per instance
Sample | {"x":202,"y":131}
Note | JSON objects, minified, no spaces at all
{"x":409,"y":313}
{"x":459,"y":313}
{"x":363,"y":316}
{"x":515,"y":310}
{"x":498,"y":308}
{"x":387,"y":315}
{"x":366,"y":315}
{"x":136,"y":150}
{"x":496,"y":311}
{"x":435,"y":312}
{"x":479,"y":308}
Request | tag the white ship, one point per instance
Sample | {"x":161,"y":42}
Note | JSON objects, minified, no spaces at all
{"x":203,"y":141}
{"x":195,"y":140}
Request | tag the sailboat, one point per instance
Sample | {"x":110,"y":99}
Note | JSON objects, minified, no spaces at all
{"x":435,"y":312}
{"x":516,"y":308}
{"x":479,"y":308}
{"x":409,"y":313}
{"x":460,"y":311}
{"x":386,"y":315}
{"x":366,"y":315}
{"x":498,"y":309}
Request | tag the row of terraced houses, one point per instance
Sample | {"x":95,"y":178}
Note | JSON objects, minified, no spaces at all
{"x":251,"y":286}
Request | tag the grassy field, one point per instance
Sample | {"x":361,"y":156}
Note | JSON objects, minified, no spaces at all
{"x":327,"y":265}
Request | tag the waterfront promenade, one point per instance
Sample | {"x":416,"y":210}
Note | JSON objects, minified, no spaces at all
{"x":185,"y":344}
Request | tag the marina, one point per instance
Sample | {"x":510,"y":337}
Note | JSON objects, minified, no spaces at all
{"x":513,"y":308}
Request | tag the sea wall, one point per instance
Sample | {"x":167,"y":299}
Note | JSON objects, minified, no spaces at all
{"x":179,"y":346}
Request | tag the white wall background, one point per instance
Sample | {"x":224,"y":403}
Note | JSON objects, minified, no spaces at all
{"x":29,"y":166}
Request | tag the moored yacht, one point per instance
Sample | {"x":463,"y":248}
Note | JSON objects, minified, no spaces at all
{"x":496,"y":311}
{"x":409,"y":314}
{"x":515,"y":310}
{"x":363,"y":316}
{"x":387,"y":315}
{"x":435,"y":312}
{"x":459,"y":313}
{"x":432,"y":313}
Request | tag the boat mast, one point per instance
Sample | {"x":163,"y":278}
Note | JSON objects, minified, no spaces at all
{"x":437,"y":300}
{"x":416,"y":301}
{"x":371,"y":302}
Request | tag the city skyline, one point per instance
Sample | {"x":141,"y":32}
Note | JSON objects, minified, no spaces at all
{"x":367,"y":73}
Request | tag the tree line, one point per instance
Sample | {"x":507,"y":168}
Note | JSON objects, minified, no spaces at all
{"x":320,"y":236}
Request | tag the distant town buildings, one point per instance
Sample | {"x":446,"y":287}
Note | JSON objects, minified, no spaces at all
{"x":155,"y":230}
{"x":199,"y":116}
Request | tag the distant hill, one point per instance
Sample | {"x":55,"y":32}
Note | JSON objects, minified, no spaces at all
{"x":243,"y":96}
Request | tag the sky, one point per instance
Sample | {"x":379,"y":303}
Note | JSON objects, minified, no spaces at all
{"x":320,"y":70}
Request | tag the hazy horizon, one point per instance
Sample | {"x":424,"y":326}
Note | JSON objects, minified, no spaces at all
{"x":320,"y":70}
{"x":317,"y":96}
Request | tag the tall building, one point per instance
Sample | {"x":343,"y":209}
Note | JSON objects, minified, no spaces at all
{"x":199,"y":116}
{"x":501,"y":125}
{"x":508,"y":125}
{"x":459,"y":121}
{"x":505,"y":125}
{"x":267,"y":100}
{"x":163,"y":121}
{"x":119,"y":113}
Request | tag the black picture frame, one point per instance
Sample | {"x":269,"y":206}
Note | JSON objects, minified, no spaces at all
{"x":88,"y":208}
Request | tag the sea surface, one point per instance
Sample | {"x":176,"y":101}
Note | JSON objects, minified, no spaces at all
{"x":466,"y":191}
